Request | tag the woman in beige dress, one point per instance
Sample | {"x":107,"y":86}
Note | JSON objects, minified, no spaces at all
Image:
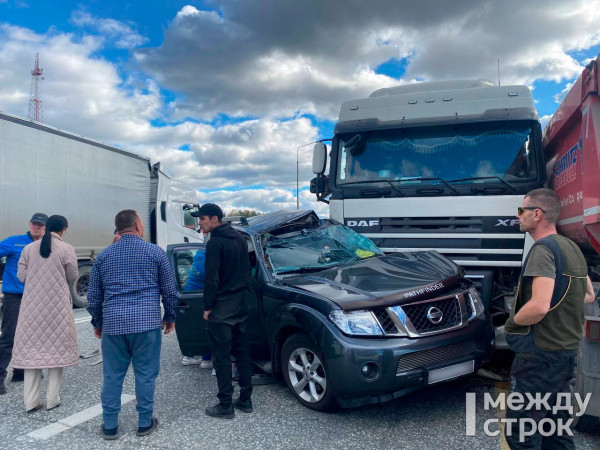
{"x":46,"y":337}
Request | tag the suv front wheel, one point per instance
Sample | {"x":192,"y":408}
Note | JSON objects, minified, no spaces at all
{"x":305,"y":373}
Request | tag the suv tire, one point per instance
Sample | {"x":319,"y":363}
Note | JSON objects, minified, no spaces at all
{"x":305,"y":373}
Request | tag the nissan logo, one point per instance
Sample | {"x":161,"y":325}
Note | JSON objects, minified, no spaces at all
{"x":435,"y":315}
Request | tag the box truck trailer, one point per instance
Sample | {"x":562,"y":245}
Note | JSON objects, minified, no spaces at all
{"x":45,"y":169}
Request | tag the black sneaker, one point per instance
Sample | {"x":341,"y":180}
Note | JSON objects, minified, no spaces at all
{"x":243,"y":406}
{"x":145,"y":431}
{"x":2,"y":386}
{"x":109,"y":433}
{"x":219,"y":412}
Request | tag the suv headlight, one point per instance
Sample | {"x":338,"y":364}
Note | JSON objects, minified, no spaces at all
{"x":358,"y":323}
{"x":477,"y":303}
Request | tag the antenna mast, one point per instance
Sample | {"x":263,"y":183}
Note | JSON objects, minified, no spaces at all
{"x":498,"y":71}
{"x":36,"y":112}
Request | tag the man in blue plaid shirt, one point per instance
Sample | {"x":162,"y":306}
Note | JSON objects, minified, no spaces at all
{"x":127,"y":281}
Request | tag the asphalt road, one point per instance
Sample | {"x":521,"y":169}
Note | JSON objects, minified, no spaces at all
{"x":429,"y":419}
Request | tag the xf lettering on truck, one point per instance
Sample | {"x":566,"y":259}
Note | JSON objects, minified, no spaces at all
{"x":507,"y":222}
{"x":362,"y":223}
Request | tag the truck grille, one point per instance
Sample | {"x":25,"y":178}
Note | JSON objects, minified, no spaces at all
{"x":417,"y":313}
{"x":433,"y":356}
{"x":469,"y":241}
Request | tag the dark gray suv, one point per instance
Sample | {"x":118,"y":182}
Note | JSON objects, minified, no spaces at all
{"x":343,"y":323}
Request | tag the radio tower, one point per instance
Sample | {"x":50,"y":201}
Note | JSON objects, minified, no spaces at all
{"x":36,"y":113}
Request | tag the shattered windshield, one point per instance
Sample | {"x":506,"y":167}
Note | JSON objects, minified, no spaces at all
{"x":317,"y":248}
{"x":460,"y":153}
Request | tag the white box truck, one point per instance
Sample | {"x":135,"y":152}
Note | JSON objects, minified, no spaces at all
{"x":45,"y":169}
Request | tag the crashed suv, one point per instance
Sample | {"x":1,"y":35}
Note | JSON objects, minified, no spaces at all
{"x":343,"y":323}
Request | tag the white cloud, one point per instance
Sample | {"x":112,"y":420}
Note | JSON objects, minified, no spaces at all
{"x":279,"y":58}
{"x":544,"y":120}
{"x":268,"y":64}
{"x":558,"y":98}
{"x":123,"y":35}
{"x":263,"y":200}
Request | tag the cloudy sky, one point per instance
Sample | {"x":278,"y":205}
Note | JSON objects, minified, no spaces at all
{"x":223,"y":92}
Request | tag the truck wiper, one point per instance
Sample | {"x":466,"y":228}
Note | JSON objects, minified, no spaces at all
{"x":506,"y":183}
{"x":395,"y":188}
{"x":374,"y":181}
{"x":454,"y":191}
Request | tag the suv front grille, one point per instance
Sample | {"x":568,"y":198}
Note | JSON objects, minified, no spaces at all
{"x":417,"y":313}
{"x":386,"y":322}
{"x":443,"y":354}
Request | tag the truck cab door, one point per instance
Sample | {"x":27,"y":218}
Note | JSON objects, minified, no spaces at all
{"x":187,"y":263}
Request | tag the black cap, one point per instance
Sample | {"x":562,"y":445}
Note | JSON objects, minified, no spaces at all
{"x":40,"y":218}
{"x":209,"y":209}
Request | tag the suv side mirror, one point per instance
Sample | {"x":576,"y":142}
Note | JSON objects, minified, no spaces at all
{"x":319,"y":158}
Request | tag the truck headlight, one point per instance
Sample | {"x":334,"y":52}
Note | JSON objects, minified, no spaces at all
{"x":476,"y":302}
{"x":358,"y":323}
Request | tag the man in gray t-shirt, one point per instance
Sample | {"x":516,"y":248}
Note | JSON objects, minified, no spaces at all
{"x":545,"y":326}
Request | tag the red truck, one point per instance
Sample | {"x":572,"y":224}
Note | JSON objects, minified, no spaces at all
{"x":571,"y":147}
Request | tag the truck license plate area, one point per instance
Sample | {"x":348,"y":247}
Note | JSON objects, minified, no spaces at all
{"x":446,"y":373}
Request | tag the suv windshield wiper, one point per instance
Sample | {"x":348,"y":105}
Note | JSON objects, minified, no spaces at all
{"x":303,"y":270}
{"x":506,"y":183}
{"x":454,"y":191}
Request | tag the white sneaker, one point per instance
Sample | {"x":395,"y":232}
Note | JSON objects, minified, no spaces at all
{"x":214,"y":373}
{"x":206,"y":364}
{"x":191,"y":360}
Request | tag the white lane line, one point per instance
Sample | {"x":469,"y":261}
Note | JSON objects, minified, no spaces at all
{"x":83,"y":319}
{"x":69,"y":422}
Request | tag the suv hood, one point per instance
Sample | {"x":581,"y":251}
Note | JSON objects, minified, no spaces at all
{"x":382,"y":281}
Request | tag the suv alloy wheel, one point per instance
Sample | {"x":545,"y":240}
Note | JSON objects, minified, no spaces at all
{"x":306,"y":374}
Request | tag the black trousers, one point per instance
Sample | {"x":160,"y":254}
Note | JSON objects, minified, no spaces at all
{"x":529,"y":375}
{"x":228,"y":338}
{"x":10,"y":313}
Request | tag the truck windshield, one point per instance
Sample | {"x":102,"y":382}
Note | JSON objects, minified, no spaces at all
{"x":317,"y":248}
{"x":465,"y":153}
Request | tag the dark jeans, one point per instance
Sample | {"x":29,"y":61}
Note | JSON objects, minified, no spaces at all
{"x":229,"y":339}
{"x":118,"y":351}
{"x":530,"y":375}
{"x":10,"y":313}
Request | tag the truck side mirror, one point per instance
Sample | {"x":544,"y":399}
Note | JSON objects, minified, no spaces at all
{"x":319,"y":158}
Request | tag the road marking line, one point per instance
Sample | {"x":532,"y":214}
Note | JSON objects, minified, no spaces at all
{"x":502,"y":387}
{"x":83,"y":319}
{"x":69,"y":422}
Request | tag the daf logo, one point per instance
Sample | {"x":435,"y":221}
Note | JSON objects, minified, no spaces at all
{"x":362,"y":223}
{"x":435,"y":315}
{"x":507,"y":222}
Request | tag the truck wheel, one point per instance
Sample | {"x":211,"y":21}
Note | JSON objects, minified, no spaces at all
{"x":79,"y":287}
{"x":305,"y":373}
{"x":587,"y":424}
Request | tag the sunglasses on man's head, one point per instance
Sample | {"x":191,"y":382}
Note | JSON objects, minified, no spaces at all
{"x":521,"y":209}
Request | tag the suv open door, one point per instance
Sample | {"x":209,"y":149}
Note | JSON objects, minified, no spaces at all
{"x":187,"y":261}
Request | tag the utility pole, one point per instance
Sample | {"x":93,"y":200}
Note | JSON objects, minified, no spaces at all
{"x":36,"y":112}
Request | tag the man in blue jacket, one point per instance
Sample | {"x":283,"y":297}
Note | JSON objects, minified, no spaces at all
{"x":12,"y":289}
